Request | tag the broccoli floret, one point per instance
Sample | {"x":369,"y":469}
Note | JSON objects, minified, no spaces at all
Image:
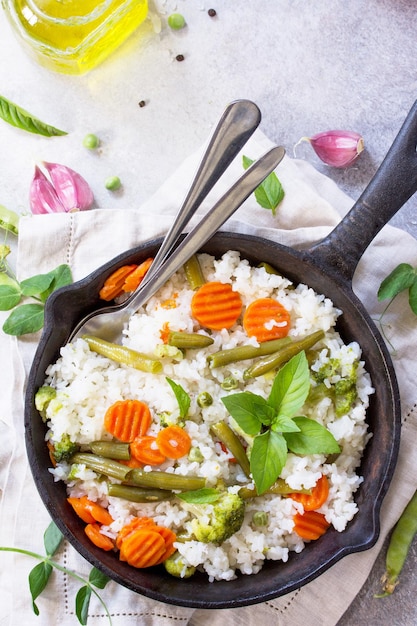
{"x":43,"y":397}
{"x":176,"y":566}
{"x":216,"y":522}
{"x":343,"y":392}
{"x":64,"y":449}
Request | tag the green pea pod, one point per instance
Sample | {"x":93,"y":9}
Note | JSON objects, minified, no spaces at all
{"x":277,"y":359}
{"x":9,"y":220}
{"x":399,"y":545}
{"x":124,"y":355}
{"x":16,"y":116}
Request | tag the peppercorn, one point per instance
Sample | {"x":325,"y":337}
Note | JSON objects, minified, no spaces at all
{"x":142,"y":103}
{"x":212,"y":12}
{"x":179,"y":57}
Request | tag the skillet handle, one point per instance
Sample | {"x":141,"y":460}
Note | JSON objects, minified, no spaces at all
{"x":393,"y":184}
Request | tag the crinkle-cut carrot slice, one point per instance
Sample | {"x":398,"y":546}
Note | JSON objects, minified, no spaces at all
{"x":143,"y":548}
{"x":310,"y":525}
{"x":173,"y":441}
{"x":90,"y":511}
{"x":145,"y":450}
{"x":113,"y":285}
{"x":127,"y":419}
{"x":169,"y":537}
{"x":318,"y":496}
{"x":266,"y":319}
{"x":134,"y":279}
{"x":215,"y":305}
{"x":134,"y":524}
{"x":101,"y":541}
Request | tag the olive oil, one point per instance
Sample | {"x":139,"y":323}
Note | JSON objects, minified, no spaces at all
{"x":74,"y":36}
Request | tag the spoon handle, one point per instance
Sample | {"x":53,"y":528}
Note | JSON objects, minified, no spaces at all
{"x":208,"y":225}
{"x":238,"y":122}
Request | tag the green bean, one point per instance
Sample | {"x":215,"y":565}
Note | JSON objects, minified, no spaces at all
{"x":232,"y":442}
{"x":124,"y":355}
{"x":280,"y":487}
{"x":399,"y":545}
{"x":269,"y":269}
{"x":189,"y":340}
{"x":193,"y":273}
{"x":164,"y":480}
{"x":138,"y":494}
{"x":278,"y":358}
{"x":242,"y":353}
{"x":101,"y":465}
{"x":111,"y":449}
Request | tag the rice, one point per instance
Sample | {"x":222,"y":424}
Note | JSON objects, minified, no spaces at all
{"x":87,"y":384}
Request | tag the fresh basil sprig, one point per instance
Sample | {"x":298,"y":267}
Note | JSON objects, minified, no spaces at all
{"x":273,"y":426}
{"x":39,"y":576}
{"x":182,"y":397}
{"x":270,"y":192}
{"x":29,"y":317}
{"x":16,"y":116}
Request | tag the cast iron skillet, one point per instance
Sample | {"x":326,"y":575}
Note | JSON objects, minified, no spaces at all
{"x":327,"y":267}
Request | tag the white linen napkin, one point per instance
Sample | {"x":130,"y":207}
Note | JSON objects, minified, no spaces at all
{"x":312,"y":206}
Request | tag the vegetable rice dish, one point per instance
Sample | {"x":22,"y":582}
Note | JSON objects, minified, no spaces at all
{"x":227,"y":430}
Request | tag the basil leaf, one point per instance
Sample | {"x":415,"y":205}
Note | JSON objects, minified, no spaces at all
{"x":10,"y":296}
{"x":36,"y":284}
{"x":270,"y":192}
{"x":52,"y":539}
{"x":412,"y":297}
{"x":60,"y":277}
{"x":284,"y":424}
{"x":182,"y":397}
{"x":38,"y":579}
{"x":291,"y":386}
{"x":268,"y":457}
{"x":249,"y":410}
{"x":24,"y":319}
{"x":16,"y":116}
{"x":200,"y":496}
{"x":313,"y":438}
{"x":402,"y":277}
{"x":97,"y":578}
{"x":82,"y":603}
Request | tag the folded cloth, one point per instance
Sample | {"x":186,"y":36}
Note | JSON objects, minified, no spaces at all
{"x":312,"y":206}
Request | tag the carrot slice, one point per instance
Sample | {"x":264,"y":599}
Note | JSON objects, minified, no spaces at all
{"x":145,"y":450}
{"x":318,"y":496}
{"x":101,"y":541}
{"x":113,"y":285}
{"x":134,"y":279}
{"x":127,"y":419}
{"x":174,"y":442}
{"x":134,"y":524}
{"x":215,"y":305}
{"x":165,"y":332}
{"x":143,"y":548}
{"x":90,"y":511}
{"x":169,"y":537}
{"x":310,"y":525}
{"x":266,"y":319}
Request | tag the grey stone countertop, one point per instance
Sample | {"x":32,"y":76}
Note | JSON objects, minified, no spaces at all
{"x":309,"y":65}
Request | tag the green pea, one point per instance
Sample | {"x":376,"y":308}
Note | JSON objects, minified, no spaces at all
{"x":260,"y":518}
{"x":91,"y":141}
{"x":204,"y":399}
{"x":176,"y":21}
{"x":113,"y":183}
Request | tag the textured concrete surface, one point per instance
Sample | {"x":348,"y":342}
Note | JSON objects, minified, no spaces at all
{"x":310,"y":66}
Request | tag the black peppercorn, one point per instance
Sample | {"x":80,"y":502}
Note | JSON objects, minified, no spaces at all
{"x":212,"y":12}
{"x":179,"y":57}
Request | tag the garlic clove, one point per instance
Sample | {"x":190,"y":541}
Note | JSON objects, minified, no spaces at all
{"x":337,"y":148}
{"x":42,"y":195}
{"x":71,"y":188}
